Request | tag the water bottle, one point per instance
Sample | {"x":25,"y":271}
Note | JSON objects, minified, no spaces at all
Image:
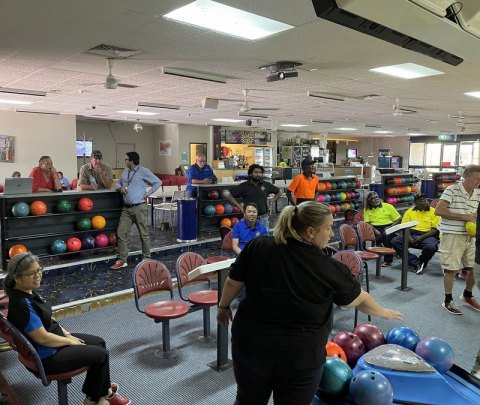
{"x":93,"y":182}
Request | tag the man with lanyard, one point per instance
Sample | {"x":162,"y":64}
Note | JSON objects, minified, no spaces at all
{"x":199,"y":173}
{"x":423,"y":236}
{"x":132,"y":185}
{"x":304,"y":186}
{"x":257,"y":191}
{"x":96,"y":174}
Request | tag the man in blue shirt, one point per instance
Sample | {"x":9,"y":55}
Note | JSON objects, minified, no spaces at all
{"x":247,"y":229}
{"x":132,"y":185}
{"x":199,"y":173}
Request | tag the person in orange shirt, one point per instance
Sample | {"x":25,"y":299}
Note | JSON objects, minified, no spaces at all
{"x":305,"y":185}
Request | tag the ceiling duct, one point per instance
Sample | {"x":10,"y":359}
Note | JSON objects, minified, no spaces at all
{"x":23,"y":92}
{"x":325,"y":96}
{"x":156,"y":105}
{"x":193,"y":74}
{"x":112,"y":51}
{"x":321,"y":121}
{"x":252,"y":115}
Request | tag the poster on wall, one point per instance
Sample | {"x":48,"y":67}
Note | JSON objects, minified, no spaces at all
{"x":7,"y":148}
{"x":165,"y":148}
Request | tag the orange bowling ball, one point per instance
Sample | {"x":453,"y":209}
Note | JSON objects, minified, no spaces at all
{"x":226,"y":222}
{"x":322,"y":186}
{"x":38,"y":208}
{"x":219,"y":209}
{"x":16,"y":249}
{"x":98,"y":222}
{"x":334,"y":350}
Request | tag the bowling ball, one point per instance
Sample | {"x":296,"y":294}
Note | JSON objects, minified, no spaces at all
{"x":226,"y":222}
{"x":234,"y":221}
{"x":321,"y":198}
{"x":337,"y":208}
{"x":321,"y":186}
{"x":334,"y":350}
{"x":370,"y":335}
{"x":64,"y":206}
{"x":88,"y":242}
{"x":351,"y":345}
{"x":358,"y":184}
{"x":403,"y":336}
{"x":328,"y":185}
{"x":219,"y":209}
{"x":327,"y":197}
{"x":336,"y":377}
{"x":38,"y":208}
{"x":101,"y":240}
{"x":391,"y":191}
{"x":58,"y":246}
{"x":334,"y":185}
{"x":83,"y":224}
{"x":343,"y":185}
{"x":228,"y":208}
{"x":74,"y":244}
{"x":235,"y":210}
{"x":112,"y":239}
{"x":16,"y":249}
{"x":471,"y":228}
{"x":436,"y":352}
{"x":20,"y":209}
{"x":342,"y":207}
{"x":332,"y":209}
{"x":98,"y":222}
{"x":389,"y":200}
{"x":347,"y":206}
{"x":343,"y":196}
{"x":225,"y":193}
{"x":210,"y":210}
{"x":85,"y":204}
{"x":213,"y":195}
{"x":372,"y":388}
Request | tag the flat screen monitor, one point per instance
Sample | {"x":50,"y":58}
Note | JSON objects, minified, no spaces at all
{"x":84,"y":148}
{"x":351,"y":153}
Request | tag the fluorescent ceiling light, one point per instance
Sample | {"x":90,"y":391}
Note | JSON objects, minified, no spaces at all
{"x":136,"y":112}
{"x":325,"y":96}
{"x":345,"y":129}
{"x":16,"y":102}
{"x":321,"y":121}
{"x":227,"y":20}
{"x":407,"y":71}
{"x":156,"y":105}
{"x":475,"y":94}
{"x":23,"y":92}
{"x":192,"y":74}
{"x":382,"y":132}
{"x":293,"y":125}
{"x":415,"y":133}
{"x":225,"y":120}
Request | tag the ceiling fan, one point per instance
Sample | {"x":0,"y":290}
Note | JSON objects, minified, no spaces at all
{"x":111,"y":82}
{"x":461,"y":120}
{"x":245,"y":107}
{"x":398,"y":111}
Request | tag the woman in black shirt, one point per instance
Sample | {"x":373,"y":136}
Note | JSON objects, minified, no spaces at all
{"x":281,"y":328}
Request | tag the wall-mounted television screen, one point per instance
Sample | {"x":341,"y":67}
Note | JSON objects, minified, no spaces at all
{"x":351,"y":153}
{"x":84,"y":148}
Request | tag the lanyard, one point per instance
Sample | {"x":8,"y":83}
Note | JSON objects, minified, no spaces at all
{"x":129,"y":179}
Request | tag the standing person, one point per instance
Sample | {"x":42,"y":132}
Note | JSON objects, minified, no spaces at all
{"x":60,"y":351}
{"x":281,"y":328}
{"x":96,"y":174}
{"x":63,"y":181}
{"x":133,"y":186}
{"x":459,"y":204}
{"x":304,"y":186}
{"x":381,"y":215}
{"x":199,"y":173}
{"x":257,"y":191}
{"x":44,"y":176}
{"x":423,"y":236}
{"x":248,"y":228}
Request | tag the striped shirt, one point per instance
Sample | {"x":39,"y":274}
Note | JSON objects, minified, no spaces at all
{"x":459,"y":202}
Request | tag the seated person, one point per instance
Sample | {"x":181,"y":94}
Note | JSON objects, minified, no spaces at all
{"x":63,"y":181}
{"x":16,"y":174}
{"x":422,"y":236}
{"x":45,"y":176}
{"x":247,"y":229}
{"x":381,"y":216}
{"x":59,"y":350}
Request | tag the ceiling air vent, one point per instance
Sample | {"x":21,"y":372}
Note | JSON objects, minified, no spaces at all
{"x":111,"y":51}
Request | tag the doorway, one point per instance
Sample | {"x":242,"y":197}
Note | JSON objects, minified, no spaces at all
{"x":195,"y":149}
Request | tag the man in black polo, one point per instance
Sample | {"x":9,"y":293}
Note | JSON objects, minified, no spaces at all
{"x":256,"y":190}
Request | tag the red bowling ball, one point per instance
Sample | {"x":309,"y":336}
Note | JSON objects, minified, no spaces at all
{"x":101,"y":240}
{"x":234,"y":221}
{"x":351,"y":345}
{"x":112,"y":239}
{"x":370,"y":335}
{"x":74,"y":244}
{"x":235,"y":209}
{"x":213,"y":195}
{"x":85,"y":204}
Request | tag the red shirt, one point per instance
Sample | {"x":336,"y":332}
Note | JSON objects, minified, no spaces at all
{"x":39,"y":180}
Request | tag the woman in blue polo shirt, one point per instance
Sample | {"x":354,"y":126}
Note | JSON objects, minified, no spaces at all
{"x":247,"y":229}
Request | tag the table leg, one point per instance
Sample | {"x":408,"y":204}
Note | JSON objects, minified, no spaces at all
{"x":403,"y":283}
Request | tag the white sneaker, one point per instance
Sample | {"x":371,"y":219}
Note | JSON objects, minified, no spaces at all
{"x":88,"y":401}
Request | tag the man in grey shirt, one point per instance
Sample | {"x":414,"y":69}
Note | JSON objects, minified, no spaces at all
{"x":96,"y":174}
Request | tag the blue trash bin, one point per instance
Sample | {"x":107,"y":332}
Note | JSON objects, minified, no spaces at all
{"x":187,"y":220}
{"x":378,"y":188}
{"x":428,"y":188}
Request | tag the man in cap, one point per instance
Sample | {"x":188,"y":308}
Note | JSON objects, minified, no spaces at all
{"x":96,"y":174}
{"x":304,"y":186}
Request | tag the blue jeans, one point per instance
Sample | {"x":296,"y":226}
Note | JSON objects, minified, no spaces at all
{"x":429,"y":246}
{"x":265,"y":221}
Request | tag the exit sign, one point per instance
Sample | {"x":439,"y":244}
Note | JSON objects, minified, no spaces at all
{"x":448,"y":137}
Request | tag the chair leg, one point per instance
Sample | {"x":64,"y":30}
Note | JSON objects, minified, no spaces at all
{"x":379,"y":266}
{"x":166,"y":352}
{"x":62,"y":389}
{"x":367,"y":281}
{"x":356,"y":318}
{"x":206,"y":338}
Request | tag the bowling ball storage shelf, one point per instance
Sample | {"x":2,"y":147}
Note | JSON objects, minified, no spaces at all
{"x":340,"y":193}
{"x":38,"y":232}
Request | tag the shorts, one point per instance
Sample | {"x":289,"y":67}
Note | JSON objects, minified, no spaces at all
{"x":456,"y":251}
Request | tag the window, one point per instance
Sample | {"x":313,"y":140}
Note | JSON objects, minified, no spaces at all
{"x":433,"y":154}
{"x":417,"y":153}
{"x":466,"y":153}
{"x":449,"y":154}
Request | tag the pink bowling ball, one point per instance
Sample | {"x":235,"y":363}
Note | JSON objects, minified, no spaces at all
{"x":101,"y":240}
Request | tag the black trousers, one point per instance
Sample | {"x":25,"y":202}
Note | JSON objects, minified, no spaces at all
{"x":259,"y":372}
{"x":93,"y":355}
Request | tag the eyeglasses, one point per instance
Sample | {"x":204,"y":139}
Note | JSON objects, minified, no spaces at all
{"x":127,"y":160}
{"x":201,"y":161}
{"x":36,"y":273}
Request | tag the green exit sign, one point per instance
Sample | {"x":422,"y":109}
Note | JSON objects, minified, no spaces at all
{"x":445,"y":137}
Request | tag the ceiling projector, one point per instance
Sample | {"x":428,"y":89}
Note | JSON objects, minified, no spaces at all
{"x":282,"y":75}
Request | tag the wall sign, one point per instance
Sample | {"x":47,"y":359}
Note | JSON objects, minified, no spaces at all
{"x":7,"y":148}
{"x":246,"y":137}
{"x":165,"y":148}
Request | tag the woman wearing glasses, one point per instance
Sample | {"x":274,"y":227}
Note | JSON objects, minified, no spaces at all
{"x":59,"y":349}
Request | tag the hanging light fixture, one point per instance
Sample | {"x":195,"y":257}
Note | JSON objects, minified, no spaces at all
{"x":371,"y":155}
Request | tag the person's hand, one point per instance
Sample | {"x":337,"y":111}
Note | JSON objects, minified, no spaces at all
{"x":391,"y":315}
{"x":54,"y":172}
{"x":471,"y":217}
{"x":224,"y":316}
{"x":208,"y":180}
{"x":98,"y":168}
{"x":74,"y":341}
{"x":123,"y":190}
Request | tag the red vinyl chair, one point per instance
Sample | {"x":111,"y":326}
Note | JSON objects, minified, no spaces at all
{"x":73,"y":184}
{"x":29,"y":357}
{"x":150,"y":276}
{"x":353,"y":261}
{"x":226,"y":247}
{"x":3,"y":299}
{"x":367,"y":234}
{"x":203,"y":299}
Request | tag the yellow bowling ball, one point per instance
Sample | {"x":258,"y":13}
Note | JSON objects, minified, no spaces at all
{"x":471,"y":228}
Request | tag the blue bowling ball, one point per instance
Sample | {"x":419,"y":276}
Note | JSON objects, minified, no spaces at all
{"x":228,"y":208}
{"x":58,"y":246}
{"x":403,"y":336}
{"x":342,"y":185}
{"x":209,"y":210}
{"x":372,"y":388}
{"x":436,"y":352}
{"x":21,"y":209}
{"x":327,"y":197}
{"x":88,"y":242}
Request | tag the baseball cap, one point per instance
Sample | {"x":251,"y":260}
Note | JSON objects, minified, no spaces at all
{"x":97,"y":154}
{"x":307,"y":162}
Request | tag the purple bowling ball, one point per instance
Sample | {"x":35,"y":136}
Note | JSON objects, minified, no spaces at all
{"x":351,"y":344}
{"x":436,"y":352}
{"x":88,"y":242}
{"x":101,"y":240}
{"x":370,"y":335}
{"x":228,"y":208}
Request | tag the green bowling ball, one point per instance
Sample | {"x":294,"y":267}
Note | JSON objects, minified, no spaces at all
{"x":335,"y":378}
{"x":64,"y":206}
{"x":84,"y":224}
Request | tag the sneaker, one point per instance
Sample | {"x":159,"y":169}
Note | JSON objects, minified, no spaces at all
{"x":116,"y":399}
{"x":471,"y":301}
{"x":118,"y":265}
{"x":114,"y":387}
{"x":452,"y":308}
{"x":419,"y":269}
{"x":463,"y":274}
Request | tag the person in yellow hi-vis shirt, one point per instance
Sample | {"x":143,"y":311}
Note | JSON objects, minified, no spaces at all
{"x":422,"y":236}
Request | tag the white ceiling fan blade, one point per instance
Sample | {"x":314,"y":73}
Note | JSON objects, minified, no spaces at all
{"x":264,"y":109}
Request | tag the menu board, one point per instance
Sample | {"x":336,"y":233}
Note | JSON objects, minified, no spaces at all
{"x":246,"y":137}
